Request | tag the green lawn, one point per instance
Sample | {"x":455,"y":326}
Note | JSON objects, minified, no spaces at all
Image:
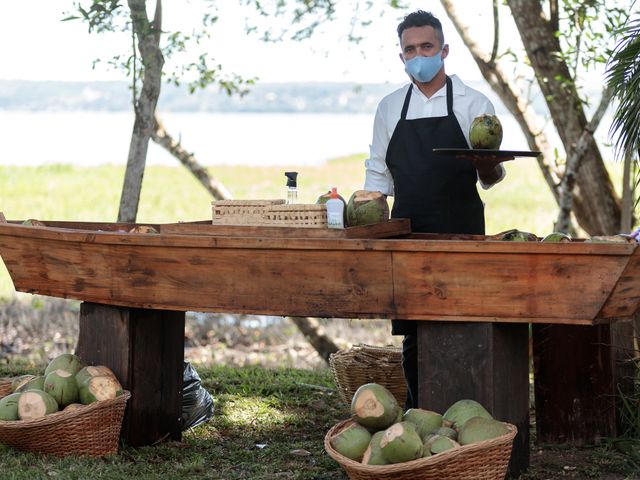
{"x":171,"y":194}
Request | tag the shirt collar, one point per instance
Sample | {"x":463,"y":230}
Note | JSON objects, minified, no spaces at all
{"x":456,"y":83}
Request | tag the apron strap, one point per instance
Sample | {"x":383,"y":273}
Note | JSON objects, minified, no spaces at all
{"x":449,"y":96}
{"x":405,"y":106}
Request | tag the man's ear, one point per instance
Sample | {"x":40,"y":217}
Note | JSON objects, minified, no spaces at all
{"x":445,"y":51}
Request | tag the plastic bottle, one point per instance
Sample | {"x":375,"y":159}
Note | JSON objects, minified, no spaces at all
{"x":335,"y":210}
{"x":292,"y":187}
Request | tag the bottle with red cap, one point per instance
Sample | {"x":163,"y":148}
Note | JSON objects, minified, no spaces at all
{"x":335,"y":210}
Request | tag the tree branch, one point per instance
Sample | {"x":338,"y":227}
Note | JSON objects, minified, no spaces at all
{"x":574,"y":160}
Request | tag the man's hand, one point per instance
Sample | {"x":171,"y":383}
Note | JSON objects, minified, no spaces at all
{"x":486,"y":166}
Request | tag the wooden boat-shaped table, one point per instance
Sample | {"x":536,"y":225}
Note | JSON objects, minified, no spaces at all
{"x":137,"y":286}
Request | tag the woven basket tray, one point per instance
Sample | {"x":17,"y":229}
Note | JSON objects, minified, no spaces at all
{"x":5,"y":387}
{"x":486,"y":460}
{"x":296,"y":215}
{"x":93,"y":430}
{"x":241,"y":212}
{"x":362,"y":364}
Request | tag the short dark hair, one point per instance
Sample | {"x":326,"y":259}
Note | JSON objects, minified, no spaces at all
{"x":420,"y":18}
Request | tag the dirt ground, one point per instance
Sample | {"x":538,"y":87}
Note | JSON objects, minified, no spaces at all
{"x":33,"y":329}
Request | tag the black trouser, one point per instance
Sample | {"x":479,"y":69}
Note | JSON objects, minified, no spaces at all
{"x":410,"y":369}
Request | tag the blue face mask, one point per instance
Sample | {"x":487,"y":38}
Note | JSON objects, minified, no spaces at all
{"x":423,"y":69}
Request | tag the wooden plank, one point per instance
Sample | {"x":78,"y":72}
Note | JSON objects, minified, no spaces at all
{"x":145,"y":349}
{"x":503,"y":286}
{"x":625,"y":297}
{"x":391,"y":228}
{"x":482,"y":361}
{"x":574,"y":391}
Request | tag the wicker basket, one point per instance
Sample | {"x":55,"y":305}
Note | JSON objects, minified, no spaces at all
{"x":5,"y":387}
{"x":241,"y":212}
{"x":93,"y":430}
{"x":362,"y":364}
{"x":296,"y":215}
{"x":486,"y":460}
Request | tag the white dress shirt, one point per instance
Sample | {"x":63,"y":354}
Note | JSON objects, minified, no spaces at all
{"x":467,"y":105}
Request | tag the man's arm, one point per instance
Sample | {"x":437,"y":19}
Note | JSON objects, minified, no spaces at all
{"x":377,"y":175}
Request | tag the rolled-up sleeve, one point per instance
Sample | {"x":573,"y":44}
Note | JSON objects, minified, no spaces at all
{"x":377,"y":175}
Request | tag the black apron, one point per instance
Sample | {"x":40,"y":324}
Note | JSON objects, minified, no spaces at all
{"x":437,"y":193}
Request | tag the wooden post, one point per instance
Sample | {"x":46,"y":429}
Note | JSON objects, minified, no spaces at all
{"x":574,"y":385}
{"x":486,"y":362}
{"x":145,"y":349}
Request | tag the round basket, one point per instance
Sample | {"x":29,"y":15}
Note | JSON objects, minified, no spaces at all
{"x":362,"y":364}
{"x":93,"y":430}
{"x":5,"y":387}
{"x":486,"y":460}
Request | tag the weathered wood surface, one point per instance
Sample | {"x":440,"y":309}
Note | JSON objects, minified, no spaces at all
{"x":145,"y":349}
{"x":411,"y":278}
{"x":487,"y":362}
{"x":391,"y":228}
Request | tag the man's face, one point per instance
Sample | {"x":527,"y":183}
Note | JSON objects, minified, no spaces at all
{"x":420,"y":41}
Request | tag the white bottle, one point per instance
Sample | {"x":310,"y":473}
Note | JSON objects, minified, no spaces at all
{"x":335,"y":210}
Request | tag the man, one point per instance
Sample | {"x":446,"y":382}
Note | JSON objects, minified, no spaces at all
{"x":437,"y":193}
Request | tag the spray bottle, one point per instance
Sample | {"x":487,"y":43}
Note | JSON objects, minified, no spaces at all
{"x":335,"y":210}
{"x":292,"y":187}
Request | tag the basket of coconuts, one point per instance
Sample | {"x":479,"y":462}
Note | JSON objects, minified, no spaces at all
{"x":71,"y":409}
{"x":380,"y":442}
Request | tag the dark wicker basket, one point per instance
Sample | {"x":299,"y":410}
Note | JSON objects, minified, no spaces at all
{"x":486,"y":460}
{"x":362,"y":364}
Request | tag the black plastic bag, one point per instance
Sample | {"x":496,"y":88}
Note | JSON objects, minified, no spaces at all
{"x":197,"y":403}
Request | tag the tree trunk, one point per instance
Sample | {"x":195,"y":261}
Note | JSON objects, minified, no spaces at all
{"x":316,"y":336}
{"x":599,"y":212}
{"x":148,"y":36}
{"x":162,"y":138}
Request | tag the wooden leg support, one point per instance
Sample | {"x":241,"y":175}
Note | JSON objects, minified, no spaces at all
{"x":574,"y":383}
{"x":145,"y":349}
{"x":486,"y":362}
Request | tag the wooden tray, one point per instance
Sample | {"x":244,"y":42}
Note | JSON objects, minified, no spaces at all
{"x":394,"y":227}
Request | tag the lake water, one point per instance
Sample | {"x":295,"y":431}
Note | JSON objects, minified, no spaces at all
{"x":94,"y":138}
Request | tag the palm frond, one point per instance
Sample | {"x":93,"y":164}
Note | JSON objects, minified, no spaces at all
{"x":623,"y":76}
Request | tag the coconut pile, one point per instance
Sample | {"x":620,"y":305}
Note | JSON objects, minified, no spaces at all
{"x":66,"y":384}
{"x":382,"y":434}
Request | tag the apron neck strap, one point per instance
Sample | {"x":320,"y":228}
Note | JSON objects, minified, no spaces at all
{"x":407,"y":99}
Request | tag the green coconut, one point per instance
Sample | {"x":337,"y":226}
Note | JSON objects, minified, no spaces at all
{"x":477,"y":429}
{"x":34,"y":404}
{"x":18,"y":382}
{"x":373,"y":454}
{"x":556,"y":237}
{"x":374,"y":407}
{"x":462,"y":410}
{"x":366,"y":208}
{"x":485,"y":132}
{"x":102,"y":387}
{"x":66,"y":361}
{"x":62,"y":386}
{"x":36,"y":383}
{"x":32,"y":222}
{"x":515,"y":235}
{"x":9,"y":407}
{"x":439,"y":443}
{"x":447,"y":432}
{"x":425,"y":421}
{"x":401,"y":443}
{"x":93,"y":371}
{"x":352,"y":441}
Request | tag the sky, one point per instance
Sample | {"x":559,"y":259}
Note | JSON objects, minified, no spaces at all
{"x":37,"y":45}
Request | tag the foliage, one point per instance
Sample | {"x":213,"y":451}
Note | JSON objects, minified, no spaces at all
{"x":624,"y":77}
